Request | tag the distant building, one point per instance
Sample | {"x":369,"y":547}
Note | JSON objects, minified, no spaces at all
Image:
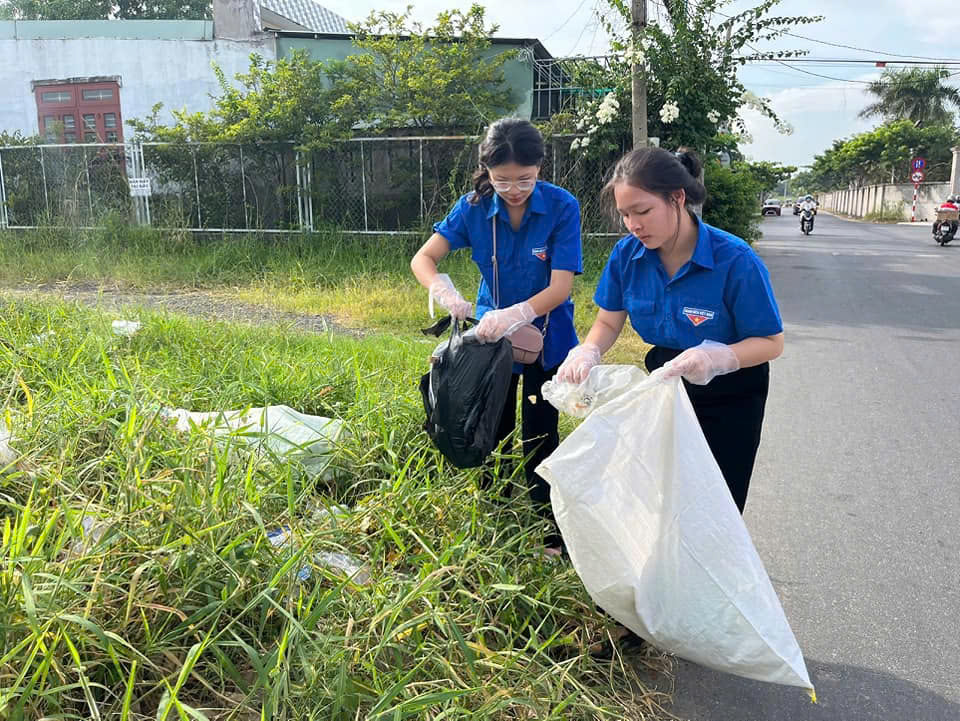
{"x":79,"y":81}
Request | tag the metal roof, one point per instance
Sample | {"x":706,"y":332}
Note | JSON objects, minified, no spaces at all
{"x":309,"y":14}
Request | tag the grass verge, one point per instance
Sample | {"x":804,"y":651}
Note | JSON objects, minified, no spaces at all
{"x":138,"y":580}
{"x":365,"y":282}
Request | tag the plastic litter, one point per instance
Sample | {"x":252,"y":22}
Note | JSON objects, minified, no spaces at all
{"x":126,"y":328}
{"x":92,"y":531}
{"x":653,"y":532}
{"x":278,"y":429}
{"x":44,"y":337}
{"x":7,"y":454}
{"x":355,"y":569}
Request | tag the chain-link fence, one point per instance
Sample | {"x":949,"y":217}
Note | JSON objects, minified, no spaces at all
{"x":371,"y":185}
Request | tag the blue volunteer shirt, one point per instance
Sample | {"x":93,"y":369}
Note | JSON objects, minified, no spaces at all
{"x":722,"y":293}
{"x":548,"y":239}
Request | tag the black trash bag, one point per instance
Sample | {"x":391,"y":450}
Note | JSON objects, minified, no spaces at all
{"x":465,"y":392}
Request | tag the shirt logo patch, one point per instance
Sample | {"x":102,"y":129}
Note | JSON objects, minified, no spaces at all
{"x":698,"y":316}
{"x":540,"y":253}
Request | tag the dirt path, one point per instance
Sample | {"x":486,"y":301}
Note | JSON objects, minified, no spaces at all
{"x":196,"y":303}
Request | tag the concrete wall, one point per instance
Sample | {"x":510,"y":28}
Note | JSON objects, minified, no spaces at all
{"x":517,"y":72}
{"x":236,"y":19}
{"x":860,"y":202}
{"x":157,"y":61}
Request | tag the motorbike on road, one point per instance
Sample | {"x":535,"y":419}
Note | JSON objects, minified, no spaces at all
{"x":806,"y":220}
{"x":948,"y":218}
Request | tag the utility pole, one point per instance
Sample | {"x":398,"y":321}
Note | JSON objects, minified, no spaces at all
{"x":638,"y":21}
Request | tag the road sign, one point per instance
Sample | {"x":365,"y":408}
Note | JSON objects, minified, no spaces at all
{"x":918,"y":164}
{"x":917,"y":177}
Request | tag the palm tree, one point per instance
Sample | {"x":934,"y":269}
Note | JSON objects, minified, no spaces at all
{"x":918,"y":95}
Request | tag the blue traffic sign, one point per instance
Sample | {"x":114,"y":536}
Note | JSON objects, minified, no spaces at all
{"x":918,"y":163}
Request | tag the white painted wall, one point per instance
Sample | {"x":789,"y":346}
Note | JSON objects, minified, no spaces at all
{"x":177,"y":73}
{"x":863,"y":201}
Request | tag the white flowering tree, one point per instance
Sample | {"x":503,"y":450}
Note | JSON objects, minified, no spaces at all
{"x":694,"y":96}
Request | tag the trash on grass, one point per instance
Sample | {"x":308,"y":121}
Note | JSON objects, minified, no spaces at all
{"x":126,"y":328}
{"x":278,"y":429}
{"x":355,"y":569}
{"x":7,"y":454}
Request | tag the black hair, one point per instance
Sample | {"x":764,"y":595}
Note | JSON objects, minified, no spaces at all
{"x":508,"y":140}
{"x":660,"y":172}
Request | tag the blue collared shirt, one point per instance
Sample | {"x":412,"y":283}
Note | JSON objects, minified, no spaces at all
{"x":722,"y":293}
{"x":548,"y":239}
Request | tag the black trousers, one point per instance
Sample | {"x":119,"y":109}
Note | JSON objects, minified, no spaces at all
{"x":730,"y":410}
{"x":538,"y":434}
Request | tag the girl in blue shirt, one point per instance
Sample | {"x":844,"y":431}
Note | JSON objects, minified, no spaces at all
{"x":700,"y":295}
{"x":538,"y":252}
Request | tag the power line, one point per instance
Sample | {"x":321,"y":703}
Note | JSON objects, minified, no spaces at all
{"x":853,"y":61}
{"x":564,"y":23}
{"x":837,"y":45}
{"x":584,"y":29}
{"x":869,"y":50}
{"x":595,"y":12}
{"x":950,"y":61}
{"x":850,"y":47}
{"x":827,"y":77}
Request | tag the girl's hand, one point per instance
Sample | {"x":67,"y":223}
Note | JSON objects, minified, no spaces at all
{"x":443,"y":291}
{"x":703,"y":363}
{"x":497,"y":323}
{"x":576,"y":367}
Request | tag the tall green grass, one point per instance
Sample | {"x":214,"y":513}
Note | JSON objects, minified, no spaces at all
{"x":136,"y":576}
{"x":364,"y":281}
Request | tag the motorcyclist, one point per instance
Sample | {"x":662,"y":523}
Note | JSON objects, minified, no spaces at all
{"x":808,"y":203}
{"x":946,"y":225}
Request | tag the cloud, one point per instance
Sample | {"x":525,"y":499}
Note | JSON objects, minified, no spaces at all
{"x":818,"y":114}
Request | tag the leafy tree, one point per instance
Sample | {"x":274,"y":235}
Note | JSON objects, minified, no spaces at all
{"x":106,"y":9}
{"x":915,"y":94}
{"x":439,"y":77}
{"x":56,"y":9}
{"x":694,"y":94}
{"x":274,"y":101}
{"x":162,"y":9}
{"x":882,"y":155}
{"x":443,"y":76}
{"x":766,"y":174}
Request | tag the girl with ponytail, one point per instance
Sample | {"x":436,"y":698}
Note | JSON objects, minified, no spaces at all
{"x":524,"y":236}
{"x":701,"y":296}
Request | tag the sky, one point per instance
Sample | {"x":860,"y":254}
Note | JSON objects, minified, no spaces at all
{"x":819,"y":109}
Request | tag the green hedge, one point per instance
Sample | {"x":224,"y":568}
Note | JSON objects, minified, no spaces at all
{"x":732,"y":201}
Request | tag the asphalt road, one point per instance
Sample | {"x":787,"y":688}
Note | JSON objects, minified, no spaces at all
{"x":855,"y":502}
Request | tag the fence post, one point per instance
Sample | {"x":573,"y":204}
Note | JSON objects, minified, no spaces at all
{"x":299,"y":179}
{"x":309,"y":169}
{"x":363,"y":181}
{"x":196,"y":185}
{"x":43,"y":171}
{"x":422,"y":206}
{"x":554,"y":178}
{"x":143,"y":174}
{"x":4,"y":220}
{"x":243,"y":183}
{"x":86,"y":167}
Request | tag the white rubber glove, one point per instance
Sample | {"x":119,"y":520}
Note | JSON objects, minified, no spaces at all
{"x":443,"y":290}
{"x":702,"y":363}
{"x":576,"y":366}
{"x":497,"y":323}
